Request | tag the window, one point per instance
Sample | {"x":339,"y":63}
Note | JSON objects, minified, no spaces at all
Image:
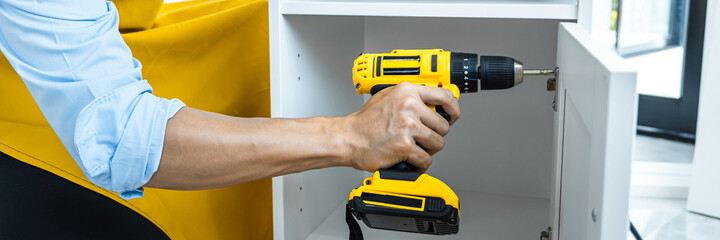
{"x":649,"y":25}
{"x":650,"y":34}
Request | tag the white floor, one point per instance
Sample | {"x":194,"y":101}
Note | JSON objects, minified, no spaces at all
{"x":665,"y":218}
{"x":652,"y":149}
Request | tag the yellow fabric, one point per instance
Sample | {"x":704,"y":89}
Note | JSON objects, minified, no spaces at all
{"x":214,"y":56}
{"x":137,"y":15}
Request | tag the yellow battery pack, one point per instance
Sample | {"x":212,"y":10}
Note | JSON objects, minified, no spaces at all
{"x":406,"y":201}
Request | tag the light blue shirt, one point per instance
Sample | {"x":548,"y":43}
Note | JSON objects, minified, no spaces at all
{"x":86,"y":82}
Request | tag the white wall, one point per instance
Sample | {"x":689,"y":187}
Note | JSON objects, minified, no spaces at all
{"x":704,"y":196}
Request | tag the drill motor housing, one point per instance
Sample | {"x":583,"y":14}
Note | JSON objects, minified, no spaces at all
{"x":456,"y":71}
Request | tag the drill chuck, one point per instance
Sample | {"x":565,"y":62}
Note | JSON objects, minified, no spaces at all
{"x":489,"y":73}
{"x":499,"y":72}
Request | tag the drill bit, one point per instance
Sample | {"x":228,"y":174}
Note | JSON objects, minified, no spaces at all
{"x":536,"y":72}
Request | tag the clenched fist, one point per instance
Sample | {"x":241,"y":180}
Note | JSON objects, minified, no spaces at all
{"x":396,"y":125}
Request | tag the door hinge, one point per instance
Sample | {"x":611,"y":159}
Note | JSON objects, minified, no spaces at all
{"x":551,"y":82}
{"x":547,"y":234}
{"x":552,"y":86}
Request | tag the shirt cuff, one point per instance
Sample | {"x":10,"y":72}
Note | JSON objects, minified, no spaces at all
{"x":119,"y":137}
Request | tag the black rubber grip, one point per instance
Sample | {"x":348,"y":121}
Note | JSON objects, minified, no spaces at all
{"x":405,"y":175}
{"x":379,"y":87}
{"x":403,"y":166}
{"x":439,"y":109}
{"x":496,"y":72}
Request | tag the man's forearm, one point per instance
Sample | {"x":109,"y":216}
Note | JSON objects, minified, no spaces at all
{"x":206,"y":150}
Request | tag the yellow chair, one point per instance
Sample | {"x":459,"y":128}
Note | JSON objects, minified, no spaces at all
{"x":212,"y":55}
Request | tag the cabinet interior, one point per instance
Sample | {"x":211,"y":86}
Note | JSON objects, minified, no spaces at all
{"x":498,"y":156}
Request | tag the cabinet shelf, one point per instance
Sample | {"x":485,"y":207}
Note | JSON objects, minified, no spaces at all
{"x":482,"y":216}
{"x":519,"y":9}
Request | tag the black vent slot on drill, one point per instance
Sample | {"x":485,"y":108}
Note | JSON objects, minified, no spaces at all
{"x":401,"y":58}
{"x":378,"y":66}
{"x":428,"y":226}
{"x":401,"y":71}
{"x":433,"y":63}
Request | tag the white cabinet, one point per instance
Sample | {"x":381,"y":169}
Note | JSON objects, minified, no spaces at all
{"x":517,"y":165}
{"x":595,"y":128}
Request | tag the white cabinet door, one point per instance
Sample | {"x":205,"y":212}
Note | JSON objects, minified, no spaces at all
{"x":594,"y":127}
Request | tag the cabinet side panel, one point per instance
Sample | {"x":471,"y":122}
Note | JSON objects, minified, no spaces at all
{"x":275,"y":24}
{"x":315,"y":56}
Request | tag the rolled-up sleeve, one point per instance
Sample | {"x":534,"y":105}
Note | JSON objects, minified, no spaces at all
{"x":88,"y":86}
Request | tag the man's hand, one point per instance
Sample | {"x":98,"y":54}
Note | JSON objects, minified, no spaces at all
{"x":396,"y":125}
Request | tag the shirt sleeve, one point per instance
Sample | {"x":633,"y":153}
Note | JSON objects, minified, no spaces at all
{"x":82,"y":75}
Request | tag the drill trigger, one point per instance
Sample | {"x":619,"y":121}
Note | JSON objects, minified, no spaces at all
{"x":379,"y":87}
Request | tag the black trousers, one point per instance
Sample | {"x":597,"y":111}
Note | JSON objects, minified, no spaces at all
{"x":36,"y":204}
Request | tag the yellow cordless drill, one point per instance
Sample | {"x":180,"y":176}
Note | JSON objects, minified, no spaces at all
{"x":401,"y":198}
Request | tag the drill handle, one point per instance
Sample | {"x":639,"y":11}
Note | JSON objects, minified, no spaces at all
{"x":439,"y":109}
{"x":379,"y":87}
{"x":404,"y":166}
